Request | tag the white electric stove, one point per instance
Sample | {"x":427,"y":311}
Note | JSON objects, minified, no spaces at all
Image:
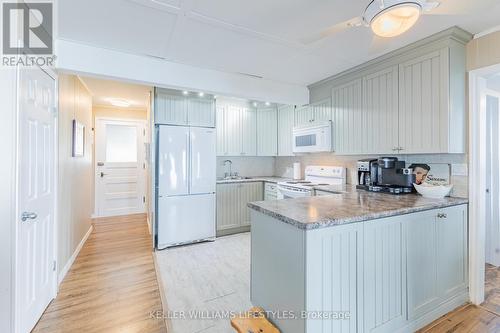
{"x":314,"y":176}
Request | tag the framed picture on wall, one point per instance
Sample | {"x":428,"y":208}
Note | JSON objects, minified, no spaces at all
{"x":78,"y":139}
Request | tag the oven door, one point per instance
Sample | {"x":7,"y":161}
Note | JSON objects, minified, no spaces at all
{"x":288,"y":192}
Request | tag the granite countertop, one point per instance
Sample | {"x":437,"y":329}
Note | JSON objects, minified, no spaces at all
{"x":349,"y":207}
{"x":270,"y":179}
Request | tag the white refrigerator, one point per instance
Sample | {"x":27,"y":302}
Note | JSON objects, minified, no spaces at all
{"x":186,"y":178}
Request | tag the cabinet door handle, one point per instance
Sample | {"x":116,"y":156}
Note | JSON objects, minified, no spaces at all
{"x":442,"y":215}
{"x":394,"y":148}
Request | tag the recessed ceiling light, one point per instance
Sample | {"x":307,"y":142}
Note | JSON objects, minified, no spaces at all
{"x":185,"y":92}
{"x":201,"y":94}
{"x":254,"y":104}
{"x":395,"y":20}
{"x":120,"y":102}
{"x":267,"y":103}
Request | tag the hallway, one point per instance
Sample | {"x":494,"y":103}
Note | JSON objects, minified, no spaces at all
{"x":112,"y":285}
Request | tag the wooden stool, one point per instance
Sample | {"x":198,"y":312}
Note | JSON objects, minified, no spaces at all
{"x":254,"y":321}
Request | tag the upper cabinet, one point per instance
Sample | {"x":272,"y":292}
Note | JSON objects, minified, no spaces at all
{"x":286,"y":121}
{"x":347,"y":120}
{"x":267,"y":132}
{"x":380,"y":112}
{"x":410,"y":101}
{"x":318,"y":111}
{"x":423,"y":106}
{"x":173,"y":108}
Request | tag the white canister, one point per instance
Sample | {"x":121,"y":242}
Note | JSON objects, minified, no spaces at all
{"x":297,"y":172}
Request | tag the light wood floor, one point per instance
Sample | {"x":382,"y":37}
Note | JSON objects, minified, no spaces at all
{"x":471,"y":318}
{"x":112,"y":285}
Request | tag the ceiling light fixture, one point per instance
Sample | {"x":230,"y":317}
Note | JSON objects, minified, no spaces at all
{"x":185,"y":92}
{"x":254,"y":104}
{"x":392,"y":18}
{"x":120,"y":102}
{"x":267,"y":103}
{"x":201,"y":94}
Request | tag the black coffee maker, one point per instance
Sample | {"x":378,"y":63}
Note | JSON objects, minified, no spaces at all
{"x":390,"y":175}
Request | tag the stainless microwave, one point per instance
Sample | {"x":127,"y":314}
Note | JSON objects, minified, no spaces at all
{"x":316,"y":137}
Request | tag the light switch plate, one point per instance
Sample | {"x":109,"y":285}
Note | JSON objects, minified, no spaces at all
{"x":459,"y":170}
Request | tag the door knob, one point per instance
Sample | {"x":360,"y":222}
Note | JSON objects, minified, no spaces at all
{"x":28,"y":215}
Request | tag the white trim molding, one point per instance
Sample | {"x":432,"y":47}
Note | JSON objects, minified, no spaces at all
{"x":66,"y":268}
{"x":477,"y":180}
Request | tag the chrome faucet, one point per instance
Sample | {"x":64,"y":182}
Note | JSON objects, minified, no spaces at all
{"x":230,"y":174}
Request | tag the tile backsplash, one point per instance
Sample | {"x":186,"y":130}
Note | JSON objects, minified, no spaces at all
{"x":247,"y":166}
{"x":283,"y":166}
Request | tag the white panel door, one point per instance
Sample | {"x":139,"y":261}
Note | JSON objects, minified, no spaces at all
{"x":347,"y":105}
{"x":286,"y":121}
{"x":248,"y":132}
{"x":120,"y":167}
{"x":203,"y":160}
{"x":380,"y":112}
{"x":173,"y":159}
{"x":267,"y":132}
{"x":423,"y":104}
{"x":201,"y":112}
{"x":36,"y":275}
{"x":185,"y":218}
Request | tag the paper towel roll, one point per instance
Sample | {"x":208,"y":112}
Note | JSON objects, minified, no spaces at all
{"x":297,"y":174}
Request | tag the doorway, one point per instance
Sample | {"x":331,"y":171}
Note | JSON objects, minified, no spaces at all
{"x":484,"y":188}
{"x":36,"y":275}
{"x":120,"y":177}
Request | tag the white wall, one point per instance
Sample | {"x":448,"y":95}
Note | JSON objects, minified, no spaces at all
{"x":89,"y":60}
{"x":76,"y":177}
{"x":7,"y":194}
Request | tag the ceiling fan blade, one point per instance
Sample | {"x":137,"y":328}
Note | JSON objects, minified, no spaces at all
{"x":460,"y":7}
{"x":334,"y":29}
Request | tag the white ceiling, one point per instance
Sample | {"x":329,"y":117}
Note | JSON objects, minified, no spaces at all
{"x":257,"y":37}
{"x":104,"y":90}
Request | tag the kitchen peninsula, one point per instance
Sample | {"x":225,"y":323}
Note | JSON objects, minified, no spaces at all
{"x":358,"y":261}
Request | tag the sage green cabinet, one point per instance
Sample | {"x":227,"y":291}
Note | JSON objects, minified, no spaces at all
{"x":318,"y":111}
{"x":423,"y":108}
{"x":233,"y":214}
{"x":286,"y":121}
{"x":393,"y":274}
{"x":437,"y":258}
{"x":270,"y":191}
{"x":267,"y":132}
{"x":173,"y":108}
{"x":236,"y":130}
{"x":348,"y":118}
{"x":410,"y":101}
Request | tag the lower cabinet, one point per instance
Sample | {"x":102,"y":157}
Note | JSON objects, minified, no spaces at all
{"x":437,"y":258}
{"x":384,"y":277}
{"x":394,"y":274}
{"x":233,"y":214}
{"x":270,"y":191}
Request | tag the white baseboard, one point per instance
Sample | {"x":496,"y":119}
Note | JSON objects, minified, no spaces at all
{"x":71,"y":260}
